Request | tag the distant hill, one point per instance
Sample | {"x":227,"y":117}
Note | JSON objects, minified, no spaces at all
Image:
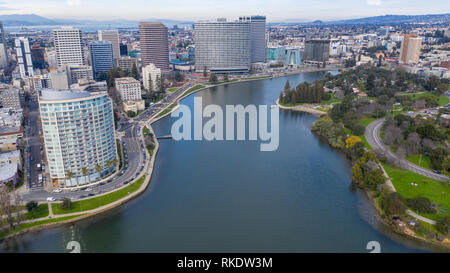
{"x":395,"y":19}
{"x":36,"y":20}
{"x":25,"y":20}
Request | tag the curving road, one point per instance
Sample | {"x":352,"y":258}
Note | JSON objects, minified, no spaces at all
{"x":372,"y":135}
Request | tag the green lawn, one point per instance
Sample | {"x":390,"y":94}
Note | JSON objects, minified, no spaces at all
{"x":193,"y":89}
{"x":366,"y":121}
{"x":167,"y":110}
{"x":173,"y":89}
{"x":422,"y":161}
{"x":443,"y":100}
{"x":330,"y":101}
{"x":40,"y":212}
{"x":438,"y":192}
{"x":96,"y":202}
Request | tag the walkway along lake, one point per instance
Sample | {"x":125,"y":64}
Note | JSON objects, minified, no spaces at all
{"x":228,"y":196}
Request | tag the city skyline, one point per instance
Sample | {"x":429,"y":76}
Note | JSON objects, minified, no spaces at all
{"x":286,"y":10}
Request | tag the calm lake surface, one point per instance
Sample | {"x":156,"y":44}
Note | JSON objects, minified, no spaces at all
{"x":228,"y":196}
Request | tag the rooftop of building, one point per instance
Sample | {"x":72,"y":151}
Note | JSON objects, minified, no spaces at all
{"x":126,"y":80}
{"x":6,"y":155}
{"x":7,"y":171}
{"x":10,"y":130}
{"x":53,"y":95}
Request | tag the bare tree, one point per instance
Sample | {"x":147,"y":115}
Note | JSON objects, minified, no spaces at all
{"x":414,"y":140}
{"x":17,"y":205}
{"x":393,"y":135}
{"x":5,"y":205}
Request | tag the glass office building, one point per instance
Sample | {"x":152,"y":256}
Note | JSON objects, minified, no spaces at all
{"x":222,"y":47}
{"x":102,"y":57}
{"x":78,"y":128}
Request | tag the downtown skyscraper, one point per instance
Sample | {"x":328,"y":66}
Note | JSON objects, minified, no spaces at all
{"x":154,"y":44}
{"x":102,"y":59}
{"x":111,"y":35}
{"x":24,"y":60}
{"x":257,"y":36}
{"x":68,"y":45}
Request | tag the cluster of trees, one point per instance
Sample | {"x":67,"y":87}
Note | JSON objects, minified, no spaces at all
{"x":149,"y":140}
{"x":303,"y":93}
{"x":117,"y":72}
{"x":377,"y":81}
{"x":366,"y":172}
{"x":411,"y":136}
{"x":213,"y":78}
{"x":331,"y":132}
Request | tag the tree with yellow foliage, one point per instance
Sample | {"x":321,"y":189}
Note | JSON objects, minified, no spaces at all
{"x":351,"y":141}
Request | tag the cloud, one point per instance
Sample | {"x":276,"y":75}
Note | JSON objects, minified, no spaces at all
{"x":74,"y":2}
{"x":373,"y":2}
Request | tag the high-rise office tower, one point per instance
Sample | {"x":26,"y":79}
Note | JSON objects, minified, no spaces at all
{"x":123,"y":50}
{"x":317,"y":50}
{"x":113,"y":37}
{"x":154,"y":44}
{"x":24,"y":60}
{"x":257,"y":36}
{"x":222,"y":46}
{"x":68,"y":45}
{"x":38,"y":57}
{"x":410,"y":49}
{"x":78,"y":129}
{"x":4,"y":60}
{"x":102,"y":57}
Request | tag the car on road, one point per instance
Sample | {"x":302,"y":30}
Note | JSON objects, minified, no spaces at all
{"x":91,"y":194}
{"x":436,"y":172}
{"x":88,"y":189}
{"x":73,"y":189}
{"x":102,"y":183}
{"x":57,"y":190}
{"x":51,"y":199}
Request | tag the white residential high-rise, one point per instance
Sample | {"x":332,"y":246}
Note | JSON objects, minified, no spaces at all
{"x":79,"y":136}
{"x":151,"y":73}
{"x":113,"y":37}
{"x":410,"y":50}
{"x":129,"y":88}
{"x":221,"y":46}
{"x":68,"y":45}
{"x":24,"y":60}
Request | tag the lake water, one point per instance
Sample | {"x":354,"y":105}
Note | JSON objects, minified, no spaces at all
{"x":228,"y":196}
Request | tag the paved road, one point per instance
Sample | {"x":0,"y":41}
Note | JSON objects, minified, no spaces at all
{"x":372,"y":135}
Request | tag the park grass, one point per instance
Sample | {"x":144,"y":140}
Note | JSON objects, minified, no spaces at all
{"x":168,"y":109}
{"x":173,"y":89}
{"x":40,"y":212}
{"x":96,"y":202}
{"x":255,"y":78}
{"x":366,"y":121}
{"x":324,"y":102}
{"x":193,"y":89}
{"x":443,"y":100}
{"x":24,"y":226}
{"x":422,"y":161}
{"x":438,"y":192}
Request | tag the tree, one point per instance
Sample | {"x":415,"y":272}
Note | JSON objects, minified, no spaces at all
{"x":420,"y":204}
{"x":225,"y":78}
{"x":437,"y":157}
{"x":178,"y":76}
{"x":69,"y":175}
{"x":66,"y":204}
{"x":213,"y":78}
{"x":443,"y":225}
{"x":5,"y":207}
{"x":84,"y":171}
{"x":441,"y":88}
{"x":131,"y":114}
{"x":357,"y":173}
{"x":98,"y":169}
{"x":351,"y":141}
{"x":393,"y":204}
{"x":135,"y":72}
{"x":31,"y":205}
{"x":205,"y":73}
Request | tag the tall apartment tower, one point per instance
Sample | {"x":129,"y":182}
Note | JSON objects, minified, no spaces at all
{"x":410,"y":50}
{"x":102,"y":59}
{"x":24,"y":60}
{"x":4,"y":60}
{"x":222,"y":46}
{"x":154,"y":44}
{"x":113,"y":37}
{"x":257,"y":36}
{"x":317,"y":50}
{"x":68,"y":45}
{"x":78,"y":128}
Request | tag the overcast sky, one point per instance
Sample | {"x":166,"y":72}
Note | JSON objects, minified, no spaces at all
{"x":275,"y":10}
